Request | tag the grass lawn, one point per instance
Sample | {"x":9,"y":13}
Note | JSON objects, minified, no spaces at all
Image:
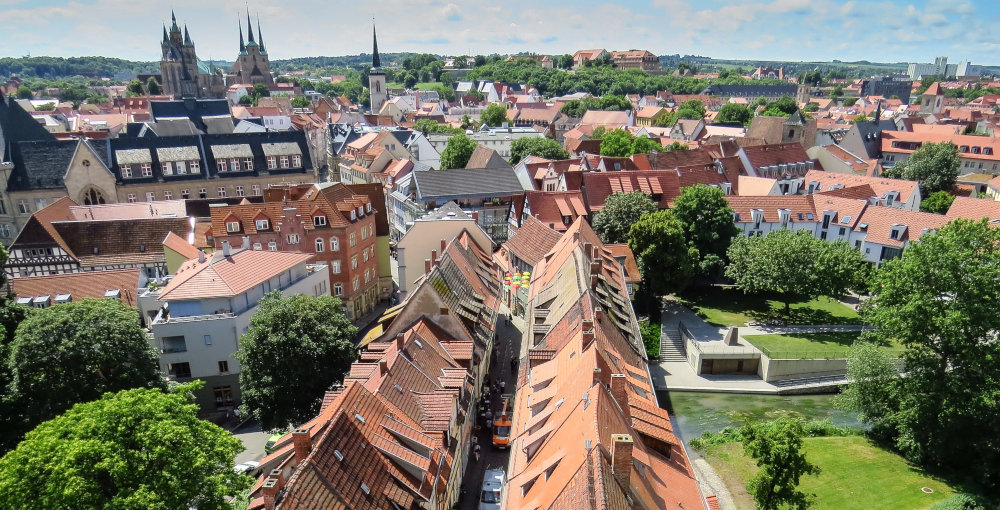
{"x":810,"y":345}
{"x":855,"y":475}
{"x":728,"y":306}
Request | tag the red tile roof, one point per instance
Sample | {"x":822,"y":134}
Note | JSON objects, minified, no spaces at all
{"x":775,"y":154}
{"x":797,"y":204}
{"x":90,"y":284}
{"x":222,"y":276}
{"x":880,"y":185}
{"x":878,"y":223}
{"x":974,"y":209}
{"x":662,"y":185}
{"x":532,"y":240}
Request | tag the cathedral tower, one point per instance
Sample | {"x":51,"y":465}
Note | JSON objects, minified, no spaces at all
{"x":376,"y":77}
{"x":252,"y":64}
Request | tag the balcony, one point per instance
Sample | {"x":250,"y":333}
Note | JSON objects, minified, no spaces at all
{"x":173,"y":344}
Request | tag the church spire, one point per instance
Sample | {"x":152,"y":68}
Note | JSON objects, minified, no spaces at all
{"x":249,"y":29}
{"x":165,"y":38}
{"x":376,"y":61}
{"x":243,"y":48}
{"x":260,"y":35}
{"x":173,"y":18}
{"x":187,"y":37}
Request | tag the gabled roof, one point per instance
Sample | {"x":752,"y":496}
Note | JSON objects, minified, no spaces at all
{"x":974,"y":209}
{"x":598,"y":186}
{"x":553,"y":207}
{"x":443,"y":185}
{"x":89,"y":284}
{"x":775,"y":154}
{"x":485,"y":157}
{"x":801,"y":207}
{"x":879,"y":221}
{"x":880,"y":185}
{"x":221,"y":276}
{"x":532,"y":240}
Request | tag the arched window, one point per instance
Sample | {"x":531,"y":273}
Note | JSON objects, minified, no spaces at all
{"x":319,"y":245}
{"x":334,"y":244}
{"x":378,"y":86}
{"x":93,"y":196}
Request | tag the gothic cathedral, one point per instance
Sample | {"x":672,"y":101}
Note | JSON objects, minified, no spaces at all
{"x":252,"y":65}
{"x":181,"y":73}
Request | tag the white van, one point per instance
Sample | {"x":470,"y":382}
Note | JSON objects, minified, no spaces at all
{"x":491,"y":497}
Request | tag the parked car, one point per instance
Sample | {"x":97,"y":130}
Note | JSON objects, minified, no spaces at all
{"x":248,"y":468}
{"x":271,"y":441}
{"x":491,"y":497}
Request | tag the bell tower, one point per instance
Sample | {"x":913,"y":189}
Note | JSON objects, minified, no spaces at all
{"x":376,"y":77}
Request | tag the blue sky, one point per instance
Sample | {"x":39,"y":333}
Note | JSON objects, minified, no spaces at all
{"x":886,"y":30}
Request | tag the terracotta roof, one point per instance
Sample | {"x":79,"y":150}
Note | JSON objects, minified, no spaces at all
{"x":624,"y":255}
{"x":611,"y":119}
{"x":975,"y":147}
{"x":801,"y":207}
{"x":553,"y":207}
{"x":863,"y":192}
{"x":880,"y":185}
{"x":221,"y":276}
{"x":756,"y":186}
{"x":110,"y":242}
{"x":775,"y":154}
{"x":532,"y":240}
{"x":933,"y":90}
{"x":485,"y":157}
{"x":335,"y":201}
{"x":179,"y":245}
{"x":89,"y":284}
{"x":974,"y":209}
{"x":124,"y":211}
{"x":661,"y":184}
{"x":878,"y":223}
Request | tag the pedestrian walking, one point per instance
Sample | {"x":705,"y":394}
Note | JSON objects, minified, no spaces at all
{"x":475,"y":450}
{"x":236,"y":413}
{"x":502,"y":385}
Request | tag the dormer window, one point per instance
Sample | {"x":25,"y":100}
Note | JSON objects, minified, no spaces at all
{"x":232,"y":226}
{"x":897,"y":231}
{"x":354,"y":215}
{"x":262,"y":224}
{"x":757,"y":215}
{"x":126,"y":170}
{"x":368,"y":207}
{"x":361,"y":211}
{"x":786,"y":216}
{"x":319,"y":221}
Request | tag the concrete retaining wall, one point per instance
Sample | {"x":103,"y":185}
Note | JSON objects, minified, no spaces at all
{"x":781,"y":369}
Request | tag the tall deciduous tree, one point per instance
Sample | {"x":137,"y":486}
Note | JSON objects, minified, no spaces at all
{"x":939,"y":299}
{"x":693,"y":109}
{"x":494,"y":115}
{"x":620,"y":211}
{"x":139,"y":448}
{"x":297,"y":347}
{"x":458,"y":151}
{"x":75,"y":352}
{"x":776,"y":447}
{"x":153,"y":87}
{"x":938,"y":202}
{"x":732,"y":113}
{"x":935,"y":165}
{"x":617,"y":143}
{"x":708,"y":224}
{"x":794,"y":265}
{"x":542,"y":147}
{"x":644,"y":145}
{"x":665,"y":258}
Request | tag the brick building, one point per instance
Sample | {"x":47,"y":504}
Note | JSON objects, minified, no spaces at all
{"x":329,"y":220}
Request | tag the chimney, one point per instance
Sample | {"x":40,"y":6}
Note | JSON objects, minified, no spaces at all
{"x":399,"y":342}
{"x":270,"y":492}
{"x":226,"y":249}
{"x":443,"y":246}
{"x":621,"y":459}
{"x":201,"y":257}
{"x":598,"y":313}
{"x":435,"y":261}
{"x":619,"y":391}
{"x":586,"y":248}
{"x":475,"y":216}
{"x":383,"y":366}
{"x":593,"y":282}
{"x":278,"y":475}
{"x":427,"y":266}
{"x":246,"y":243}
{"x":588,"y":332}
{"x":443,"y":310}
{"x":595,"y":267}
{"x":302,"y":442}
{"x":597,"y":375}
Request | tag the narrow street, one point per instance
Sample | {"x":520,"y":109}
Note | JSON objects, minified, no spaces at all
{"x":507,"y":347}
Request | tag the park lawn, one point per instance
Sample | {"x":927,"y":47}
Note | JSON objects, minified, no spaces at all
{"x":855,"y":475}
{"x":728,"y":306}
{"x":830,"y":345}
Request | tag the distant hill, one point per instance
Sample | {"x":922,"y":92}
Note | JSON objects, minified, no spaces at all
{"x":52,"y":68}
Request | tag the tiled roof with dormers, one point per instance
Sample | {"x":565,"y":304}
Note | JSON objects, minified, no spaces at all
{"x":221,"y":276}
{"x":661,"y":185}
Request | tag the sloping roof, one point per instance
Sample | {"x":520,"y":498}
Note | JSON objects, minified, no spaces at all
{"x":485,"y":157}
{"x":180,"y":246}
{"x":598,"y":186}
{"x":880,"y":185}
{"x":756,"y":186}
{"x":624,"y":254}
{"x":775,"y":154}
{"x":466,"y":183}
{"x":801,"y":207}
{"x":17,"y":125}
{"x":40,"y":164}
{"x":878,"y":223}
{"x":111,"y":242}
{"x":554,"y":207}
{"x":221,"y":276}
{"x":974,"y":209}
{"x":612,"y":118}
{"x":90,"y":284}
{"x":123,"y":211}
{"x":532,"y":240}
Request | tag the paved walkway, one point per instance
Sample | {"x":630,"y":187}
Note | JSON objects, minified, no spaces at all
{"x":711,"y":483}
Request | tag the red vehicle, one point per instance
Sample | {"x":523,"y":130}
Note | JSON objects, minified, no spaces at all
{"x":502,"y":426}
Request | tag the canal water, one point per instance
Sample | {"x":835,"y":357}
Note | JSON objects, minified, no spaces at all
{"x":695,"y":413}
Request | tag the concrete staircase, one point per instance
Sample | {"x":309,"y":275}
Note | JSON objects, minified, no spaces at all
{"x":671,"y":345}
{"x":811,"y":382}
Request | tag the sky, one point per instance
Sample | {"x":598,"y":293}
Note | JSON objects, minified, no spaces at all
{"x":791,"y":30}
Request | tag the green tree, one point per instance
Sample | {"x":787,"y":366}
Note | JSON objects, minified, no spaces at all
{"x":644,"y":145}
{"x":837,"y":92}
{"x":297,"y":347}
{"x":542,"y":147}
{"x":458,"y":151}
{"x":872,"y":391}
{"x":693,"y":109}
{"x":566,"y":61}
{"x":665,"y":258}
{"x":24,"y":92}
{"x":260,"y":90}
{"x":480,"y":61}
{"x":139,"y":448}
{"x":617,"y":143}
{"x":494,"y":115}
{"x":794,"y":265}
{"x":75,"y":352}
{"x":939,"y":300}
{"x":676,"y":146}
{"x":708,"y":224}
{"x":135,"y":87}
{"x":574,"y":108}
{"x":735,"y":114}
{"x":301,"y":102}
{"x":409,"y":80}
{"x":153,"y":87}
{"x":935,"y":165}
{"x":860,"y":118}
{"x":246,"y":100}
{"x":938,"y":202}
{"x":620,"y":211}
{"x":427,"y":126}
{"x":811,"y":107}
{"x":776,"y":448}
{"x":782,"y":107}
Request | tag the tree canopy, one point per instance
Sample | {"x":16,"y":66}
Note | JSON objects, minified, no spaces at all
{"x":776,"y":448}
{"x":708,"y":225}
{"x":693,"y":109}
{"x":938,"y":202}
{"x":458,"y":151}
{"x":782,"y":107}
{"x":297,"y":347}
{"x":620,"y":211}
{"x":620,"y":143}
{"x":428,"y":126}
{"x":794,"y":265}
{"x":494,"y":115}
{"x":734,"y":114}
{"x":542,"y":147}
{"x":939,"y":300}
{"x":934,"y":165}
{"x":139,"y":448}
{"x":75,"y":352}
{"x":666,"y":260}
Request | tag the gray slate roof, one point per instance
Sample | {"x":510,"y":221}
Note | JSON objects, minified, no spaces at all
{"x":40,"y":165}
{"x":466,"y":183}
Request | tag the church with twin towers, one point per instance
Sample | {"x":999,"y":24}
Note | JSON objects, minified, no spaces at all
{"x":183,"y":74}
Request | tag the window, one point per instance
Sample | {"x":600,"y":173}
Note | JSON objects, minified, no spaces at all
{"x":239,"y":191}
{"x":354,"y":241}
{"x":366,"y":277}
{"x":248,"y":163}
{"x":202,"y":193}
{"x":223,"y":396}
{"x":335,"y":244}
{"x":232,"y":226}
{"x":194,"y":166}
{"x":185,"y":194}
{"x":257,"y":246}
{"x":296,"y":161}
{"x":319,"y":221}
{"x":319,"y":245}
{"x":354,"y":262}
{"x":168,"y":195}
{"x":234,"y":165}
{"x":364,"y":233}
{"x":335,"y":267}
{"x":272,"y":162}
{"x":208,"y":339}
{"x":222,"y":191}
{"x":284,"y":161}
{"x":365,"y":253}
{"x":179,"y":370}
{"x":272,"y":246}
{"x":126,"y":170}
{"x":262,"y":224}
{"x":356,"y":284}
{"x":23,"y":206}
{"x":166,"y":167}
{"x":224,"y":367}
{"x":131,"y":198}
{"x":222,"y":165}
{"x":338,"y":289}
{"x":255,"y":190}
{"x":150,"y":196}
{"x":293,"y":239}
{"x":5,"y":230}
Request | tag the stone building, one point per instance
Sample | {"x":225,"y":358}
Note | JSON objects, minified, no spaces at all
{"x":181,"y":73}
{"x":252,"y":65}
